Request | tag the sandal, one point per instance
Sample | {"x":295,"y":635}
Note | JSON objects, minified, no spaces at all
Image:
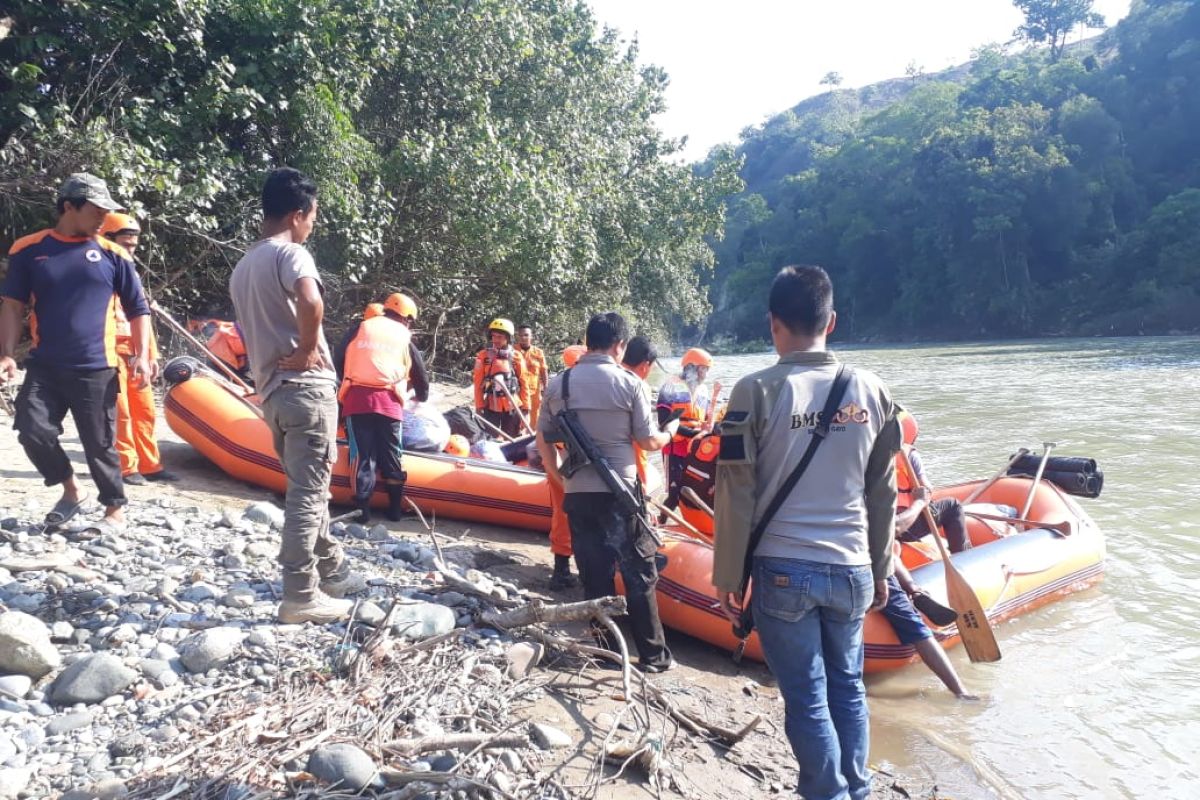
{"x":105,"y":527}
{"x":937,"y":613}
{"x":63,"y":512}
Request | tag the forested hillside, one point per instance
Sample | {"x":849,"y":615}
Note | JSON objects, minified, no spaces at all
{"x":493,"y":158}
{"x":1041,"y":193}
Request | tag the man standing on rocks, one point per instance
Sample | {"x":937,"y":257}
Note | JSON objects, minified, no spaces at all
{"x":806,"y":499}
{"x":70,"y":278}
{"x":276,"y":292}
{"x":613,"y":406}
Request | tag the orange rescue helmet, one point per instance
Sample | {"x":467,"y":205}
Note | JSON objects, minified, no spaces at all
{"x":697,"y":357}
{"x":458,"y":445}
{"x":908,"y":426}
{"x":401,"y":304}
{"x":373,"y":310}
{"x":572,"y":354}
{"x":504,"y":326}
{"x":116,"y":223}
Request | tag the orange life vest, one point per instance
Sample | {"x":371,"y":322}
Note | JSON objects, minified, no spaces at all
{"x":700,"y":469}
{"x":676,"y":394}
{"x":226,"y":344}
{"x":378,"y":357}
{"x":498,"y":365}
{"x":904,"y":484}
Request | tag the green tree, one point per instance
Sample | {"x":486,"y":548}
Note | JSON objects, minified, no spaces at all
{"x":1050,"y":22}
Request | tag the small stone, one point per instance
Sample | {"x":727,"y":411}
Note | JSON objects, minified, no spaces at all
{"x":233,"y":562}
{"x":512,"y":760}
{"x":9,"y":523}
{"x":264,"y":513}
{"x":8,"y":748}
{"x":370,"y":613}
{"x":214,"y":647}
{"x":199,"y":593}
{"x":421,"y":620}
{"x":25,"y":647}
{"x":234,"y":547}
{"x":548,"y":737}
{"x":501,"y":781}
{"x":92,"y":679}
{"x":262,"y":549}
{"x":406,"y":551}
{"x":262,"y":637}
{"x":522,"y":657}
{"x":109,"y":789}
{"x":13,"y":782}
{"x":68,"y":722}
{"x":345,"y":766}
{"x":239,"y":598}
{"x":128,"y":745}
{"x":15,"y":687}
{"x":229,"y":519}
{"x":379,"y":533}
{"x":443,"y":763}
{"x":61,"y":632}
{"x":173,"y":523}
{"x":356,"y":531}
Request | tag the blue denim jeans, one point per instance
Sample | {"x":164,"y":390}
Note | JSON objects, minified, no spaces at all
{"x":810,"y":622}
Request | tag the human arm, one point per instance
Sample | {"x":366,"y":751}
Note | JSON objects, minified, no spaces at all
{"x":12,"y":316}
{"x":142,"y":369}
{"x":879,"y":493}
{"x":310,"y":311}
{"x":648,"y":433}
{"x":549,"y":454}
{"x":736,"y":488}
{"x":418,"y":376}
{"x":477,"y":378}
{"x":521,"y":370}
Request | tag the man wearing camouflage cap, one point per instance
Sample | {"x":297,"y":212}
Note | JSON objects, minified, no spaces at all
{"x":69,"y":277}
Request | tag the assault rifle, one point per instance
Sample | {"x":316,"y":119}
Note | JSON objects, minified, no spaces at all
{"x":583,"y":452}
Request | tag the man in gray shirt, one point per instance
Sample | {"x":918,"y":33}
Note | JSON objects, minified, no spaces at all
{"x":276,"y":292}
{"x":614,"y":408}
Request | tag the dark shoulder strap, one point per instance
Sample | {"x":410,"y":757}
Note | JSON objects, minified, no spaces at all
{"x":836,"y":393}
{"x":566,"y":387}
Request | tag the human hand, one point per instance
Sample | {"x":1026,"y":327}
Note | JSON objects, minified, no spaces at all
{"x":922,"y":493}
{"x":301,"y":360}
{"x":728,"y":602}
{"x":8,"y":369}
{"x":881,"y":595}
{"x":155,"y":369}
{"x":140,"y":371}
{"x":671,"y":427}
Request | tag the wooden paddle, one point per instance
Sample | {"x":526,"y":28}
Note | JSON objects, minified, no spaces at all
{"x":218,"y":363}
{"x":524,"y":420}
{"x":975,"y":495}
{"x":712,"y":405}
{"x":670,"y":512}
{"x":493,"y":428}
{"x":690,"y":495}
{"x":1064,"y":528}
{"x":1046,"y":448}
{"x":973,"y":625}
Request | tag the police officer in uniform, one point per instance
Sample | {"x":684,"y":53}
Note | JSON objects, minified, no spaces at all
{"x":613,"y":406}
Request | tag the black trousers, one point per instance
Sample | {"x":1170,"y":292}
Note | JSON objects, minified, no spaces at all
{"x":605,"y":539}
{"x":91,"y":396}
{"x":507,"y":421}
{"x":675,"y":466}
{"x":375,"y":443}
{"x":950,"y":517}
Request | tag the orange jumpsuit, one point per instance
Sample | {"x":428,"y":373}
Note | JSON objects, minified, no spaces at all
{"x":136,"y":444}
{"x":492,"y":404}
{"x":538,"y":374}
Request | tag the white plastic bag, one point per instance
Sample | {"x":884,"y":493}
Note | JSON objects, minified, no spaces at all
{"x":425,"y":428}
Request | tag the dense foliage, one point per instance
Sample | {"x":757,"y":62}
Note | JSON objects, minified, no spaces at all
{"x":492,"y":157}
{"x":1025,"y":195}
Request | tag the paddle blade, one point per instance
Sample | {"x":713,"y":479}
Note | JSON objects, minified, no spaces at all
{"x":973,"y":626}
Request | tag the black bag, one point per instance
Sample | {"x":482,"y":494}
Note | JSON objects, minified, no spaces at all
{"x":462,"y":421}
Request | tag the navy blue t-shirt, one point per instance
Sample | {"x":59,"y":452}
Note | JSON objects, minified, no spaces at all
{"x":72,"y":287}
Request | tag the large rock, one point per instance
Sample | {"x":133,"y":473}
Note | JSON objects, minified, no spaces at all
{"x":25,"y":647}
{"x":214,"y":647}
{"x":264,"y":513}
{"x":13,"y":782}
{"x":549,"y":737}
{"x":15,"y":686}
{"x":344,"y":766}
{"x":91,"y":679}
{"x":421,"y":620}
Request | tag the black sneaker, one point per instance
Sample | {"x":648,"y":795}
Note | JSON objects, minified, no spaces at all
{"x":134,"y":479}
{"x":666,"y":666}
{"x":563,"y":580}
{"x":161,"y":475}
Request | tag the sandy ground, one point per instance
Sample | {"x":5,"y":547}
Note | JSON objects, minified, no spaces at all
{"x":706,"y":681}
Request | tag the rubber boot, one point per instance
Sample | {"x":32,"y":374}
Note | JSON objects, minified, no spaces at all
{"x":395,"y":493}
{"x":364,"y":511}
{"x":562,"y":577}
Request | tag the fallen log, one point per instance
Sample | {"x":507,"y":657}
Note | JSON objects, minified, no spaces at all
{"x":537,"y":612}
{"x":454,"y":741}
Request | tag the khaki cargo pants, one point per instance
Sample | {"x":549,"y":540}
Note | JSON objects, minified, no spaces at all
{"x":303,"y":422}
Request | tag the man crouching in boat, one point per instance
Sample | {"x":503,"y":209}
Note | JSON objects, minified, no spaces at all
{"x":276,"y":291}
{"x":911,"y":524}
{"x":819,"y":545}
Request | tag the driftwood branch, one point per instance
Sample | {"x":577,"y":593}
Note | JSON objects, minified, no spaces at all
{"x":455,"y":741}
{"x":538,"y":612}
{"x":65,"y":563}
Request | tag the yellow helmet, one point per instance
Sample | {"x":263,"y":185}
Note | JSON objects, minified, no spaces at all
{"x":697,"y":357}
{"x":504,"y":326}
{"x":402,"y":304}
{"x":115,"y":222}
{"x":373,"y":310}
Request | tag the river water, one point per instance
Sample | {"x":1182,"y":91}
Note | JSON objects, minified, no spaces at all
{"x":1097,"y":696}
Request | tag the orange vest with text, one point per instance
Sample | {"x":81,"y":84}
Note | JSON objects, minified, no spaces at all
{"x":378,"y":357}
{"x":904,"y":484}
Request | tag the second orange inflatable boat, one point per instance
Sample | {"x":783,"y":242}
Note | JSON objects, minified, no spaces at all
{"x":228,"y":429}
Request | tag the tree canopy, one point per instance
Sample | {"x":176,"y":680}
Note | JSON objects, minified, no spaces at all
{"x":1023,"y":195}
{"x":492,"y":158}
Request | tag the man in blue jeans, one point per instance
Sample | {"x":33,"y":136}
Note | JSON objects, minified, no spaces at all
{"x":825,"y":556}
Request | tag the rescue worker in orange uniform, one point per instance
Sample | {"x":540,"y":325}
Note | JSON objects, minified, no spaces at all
{"x":640,"y":357}
{"x":686,"y":392}
{"x":379,"y":366}
{"x":535,"y":370}
{"x":136,"y":444}
{"x":498,"y":363}
{"x":225,"y":342}
{"x":560,"y":527}
{"x":911,"y":500}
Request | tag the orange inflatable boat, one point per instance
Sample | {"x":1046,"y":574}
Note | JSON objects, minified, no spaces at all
{"x":1012,"y":572}
{"x":227,"y":428}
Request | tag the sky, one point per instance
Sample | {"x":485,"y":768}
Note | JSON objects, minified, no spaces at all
{"x":734,"y":63}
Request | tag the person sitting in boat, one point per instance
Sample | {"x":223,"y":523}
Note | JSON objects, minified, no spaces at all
{"x":378,"y":366}
{"x":225,"y":343}
{"x":911,"y":501}
{"x":686,"y":392}
{"x":904,"y":598}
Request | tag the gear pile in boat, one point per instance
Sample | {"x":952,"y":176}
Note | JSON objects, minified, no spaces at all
{"x":1078,"y":476}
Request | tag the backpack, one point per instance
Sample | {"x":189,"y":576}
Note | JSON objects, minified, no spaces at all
{"x":462,"y":421}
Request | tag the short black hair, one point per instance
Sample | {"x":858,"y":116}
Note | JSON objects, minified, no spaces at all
{"x":525,"y":328}
{"x":640,"y":350}
{"x":605,"y":330}
{"x":286,"y":190}
{"x":802,"y":299}
{"x":77,"y":202}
